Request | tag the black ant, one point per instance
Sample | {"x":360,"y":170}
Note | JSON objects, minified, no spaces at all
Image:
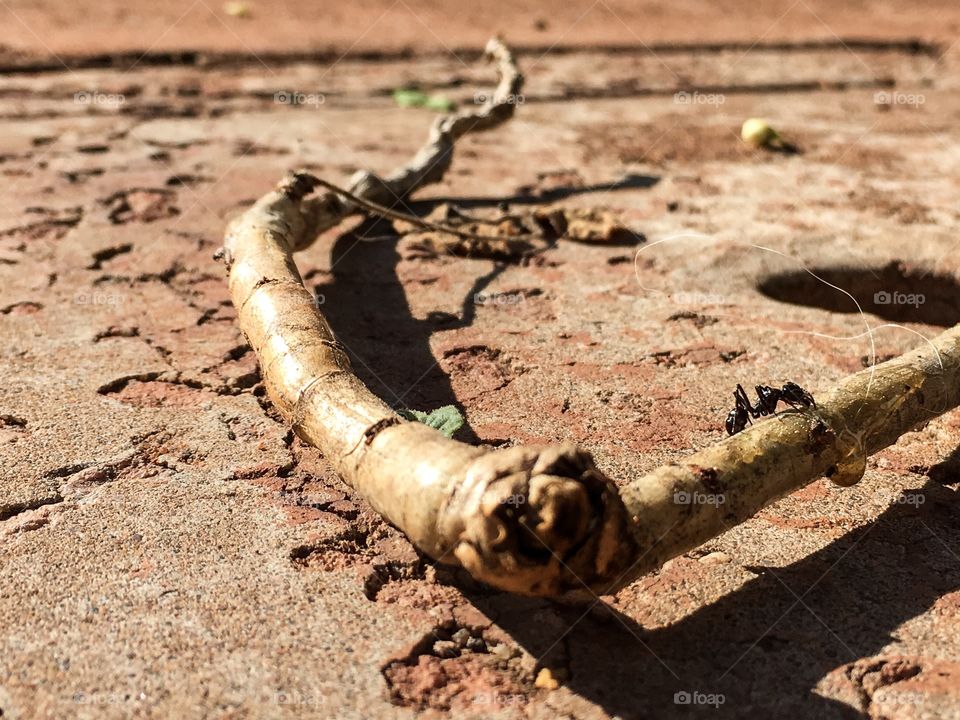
{"x":767,"y":398}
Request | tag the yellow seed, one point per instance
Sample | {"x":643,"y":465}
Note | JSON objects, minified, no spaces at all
{"x":758,"y":132}
{"x":237,"y":8}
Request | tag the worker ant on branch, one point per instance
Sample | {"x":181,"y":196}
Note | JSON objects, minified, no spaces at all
{"x":767,"y":398}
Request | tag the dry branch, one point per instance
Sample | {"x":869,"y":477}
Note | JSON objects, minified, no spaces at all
{"x":429,"y":164}
{"x":540,"y":521}
{"x":528,"y":520}
{"x":863,"y":414}
{"x":455,"y":502}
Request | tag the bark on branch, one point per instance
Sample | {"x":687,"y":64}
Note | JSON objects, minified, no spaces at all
{"x":539,"y":521}
{"x":457,"y":503}
{"x":861,"y":415}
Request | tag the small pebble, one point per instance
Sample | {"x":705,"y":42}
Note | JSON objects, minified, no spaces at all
{"x":461,"y":636}
{"x":477,"y":645}
{"x":715,"y":558}
{"x":545,"y":680}
{"x":446,"y":649}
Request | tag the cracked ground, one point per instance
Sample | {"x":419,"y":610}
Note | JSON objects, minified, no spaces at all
{"x":169,"y":549}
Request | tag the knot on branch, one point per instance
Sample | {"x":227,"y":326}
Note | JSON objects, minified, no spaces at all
{"x":539,"y":521}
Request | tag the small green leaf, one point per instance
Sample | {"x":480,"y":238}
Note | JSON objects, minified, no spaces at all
{"x":446,"y":419}
{"x":439,"y":103}
{"x":407,"y":97}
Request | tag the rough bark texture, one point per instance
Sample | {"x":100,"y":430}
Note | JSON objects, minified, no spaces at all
{"x":540,"y":522}
{"x":544,"y":521}
{"x":680,"y":506}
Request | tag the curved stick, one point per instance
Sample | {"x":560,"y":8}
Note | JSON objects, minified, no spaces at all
{"x":545,"y":521}
{"x":539,"y":521}
{"x":535,"y":521}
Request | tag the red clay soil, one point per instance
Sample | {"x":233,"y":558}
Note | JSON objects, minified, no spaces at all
{"x":169,"y":549}
{"x":44,"y":28}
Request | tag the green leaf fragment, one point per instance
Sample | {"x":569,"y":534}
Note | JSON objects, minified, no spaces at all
{"x":446,"y":419}
{"x":439,"y":103}
{"x":406,"y":97}
{"x":409,"y":98}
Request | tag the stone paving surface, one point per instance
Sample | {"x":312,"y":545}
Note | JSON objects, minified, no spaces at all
{"x":169,"y":549}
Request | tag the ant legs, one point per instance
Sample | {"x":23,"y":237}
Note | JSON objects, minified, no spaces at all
{"x":767,"y":398}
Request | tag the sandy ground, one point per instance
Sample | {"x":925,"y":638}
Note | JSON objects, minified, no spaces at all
{"x":44,"y":29}
{"x":168,"y":549}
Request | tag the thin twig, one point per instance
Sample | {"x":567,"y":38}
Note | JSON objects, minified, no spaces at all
{"x":429,"y":164}
{"x":385,"y":212}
